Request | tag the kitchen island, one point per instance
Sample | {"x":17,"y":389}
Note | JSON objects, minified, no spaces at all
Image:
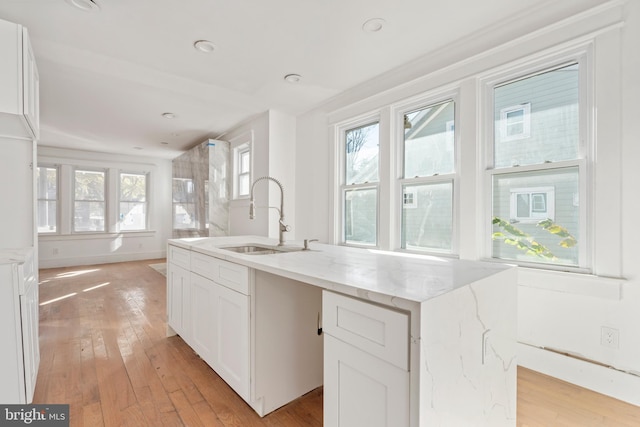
{"x":396,"y":339}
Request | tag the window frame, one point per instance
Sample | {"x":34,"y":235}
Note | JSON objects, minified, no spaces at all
{"x":399,"y":110}
{"x":57,"y":200}
{"x":75,"y":169}
{"x":238,"y":152}
{"x":343,"y":187}
{"x":146,"y":199}
{"x":583,"y":56}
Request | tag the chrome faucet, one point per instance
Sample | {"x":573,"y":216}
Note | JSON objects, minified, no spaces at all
{"x":282,"y":227}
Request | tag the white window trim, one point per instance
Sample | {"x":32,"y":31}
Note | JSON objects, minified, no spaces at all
{"x":583,"y":55}
{"x":241,"y":144}
{"x":340,"y":186}
{"x":447,"y":93}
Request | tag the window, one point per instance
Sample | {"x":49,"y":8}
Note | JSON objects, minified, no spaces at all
{"x":428,"y":175}
{"x":360,"y":184}
{"x":532,"y":204}
{"x":89,"y":200}
{"x":244,"y":172}
{"x":536,"y":214}
{"x":515,"y":122}
{"x":184,"y":204}
{"x":47,"y":179}
{"x":133,"y":202}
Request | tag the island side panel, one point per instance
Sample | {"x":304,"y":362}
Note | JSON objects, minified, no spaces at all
{"x":468,"y":368}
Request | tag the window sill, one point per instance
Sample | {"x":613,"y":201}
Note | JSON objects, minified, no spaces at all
{"x":93,"y":236}
{"x":572,"y":283}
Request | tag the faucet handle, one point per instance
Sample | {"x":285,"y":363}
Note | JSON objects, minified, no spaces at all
{"x":306,"y":243}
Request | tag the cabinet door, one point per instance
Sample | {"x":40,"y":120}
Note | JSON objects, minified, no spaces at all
{"x":31,"y":348}
{"x":231,"y":335}
{"x":203,"y":317}
{"x":178,"y":288}
{"x":361,"y":389}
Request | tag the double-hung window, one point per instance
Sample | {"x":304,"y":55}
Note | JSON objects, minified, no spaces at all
{"x":537,"y":170}
{"x":243,"y":168}
{"x":89,"y":200}
{"x":427,"y":180}
{"x":47,"y":179}
{"x":360,"y":184}
{"x":133,"y":201}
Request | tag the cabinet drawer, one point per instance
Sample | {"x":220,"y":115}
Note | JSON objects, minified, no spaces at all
{"x":226,"y":273}
{"x":179,"y":256}
{"x":379,"y":331}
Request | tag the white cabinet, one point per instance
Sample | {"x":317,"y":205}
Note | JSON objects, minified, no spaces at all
{"x":220,"y":318}
{"x":19,"y":84}
{"x":366,"y":375}
{"x":179,"y":292}
{"x":258,"y":331}
{"x":20,"y":356}
{"x":231,"y":337}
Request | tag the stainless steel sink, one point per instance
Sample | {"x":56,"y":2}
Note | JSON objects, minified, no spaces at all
{"x":259,"y":249}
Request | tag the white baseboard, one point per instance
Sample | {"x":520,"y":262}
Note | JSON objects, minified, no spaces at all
{"x":99,"y":259}
{"x":601,"y":379}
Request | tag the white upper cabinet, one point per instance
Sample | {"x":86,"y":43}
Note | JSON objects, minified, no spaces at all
{"x":19,"y":84}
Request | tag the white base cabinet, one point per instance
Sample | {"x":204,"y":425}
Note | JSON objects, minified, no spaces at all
{"x":366,"y":375}
{"x":258,"y":331}
{"x":20,"y":356}
{"x":178,"y":300}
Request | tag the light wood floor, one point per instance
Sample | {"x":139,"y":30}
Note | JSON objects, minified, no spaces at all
{"x":104,"y":352}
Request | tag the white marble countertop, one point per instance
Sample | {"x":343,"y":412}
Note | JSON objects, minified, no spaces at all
{"x":415,"y":278}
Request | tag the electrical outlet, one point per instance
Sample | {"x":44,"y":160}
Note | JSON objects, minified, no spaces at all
{"x":609,"y":337}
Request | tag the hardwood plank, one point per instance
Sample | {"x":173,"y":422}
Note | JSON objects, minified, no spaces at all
{"x":104,"y":352}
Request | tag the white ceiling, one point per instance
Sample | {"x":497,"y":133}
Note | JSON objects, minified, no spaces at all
{"x":107,"y":77}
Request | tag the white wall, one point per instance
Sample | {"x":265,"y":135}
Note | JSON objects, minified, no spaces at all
{"x":273,"y":154}
{"x":557,"y":311}
{"x":67,"y":249}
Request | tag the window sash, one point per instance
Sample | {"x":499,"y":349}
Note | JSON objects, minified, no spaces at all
{"x":133,"y":208}
{"x":47,"y":210}
{"x":85,"y":208}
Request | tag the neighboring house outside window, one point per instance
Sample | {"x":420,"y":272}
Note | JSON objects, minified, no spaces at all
{"x":133,"y":203}
{"x":47,"y":182}
{"x":536,"y":182}
{"x":515,"y":122}
{"x":428,"y":178}
{"x":89,"y":200}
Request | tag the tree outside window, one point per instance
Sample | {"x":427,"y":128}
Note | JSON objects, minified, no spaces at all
{"x":89,"y":201}
{"x":133,"y":202}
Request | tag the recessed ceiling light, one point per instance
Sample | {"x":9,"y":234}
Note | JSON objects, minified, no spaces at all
{"x":292,"y":78}
{"x":168,"y":115}
{"x":85,"y":5}
{"x":204,"y":46}
{"x":137,"y":148}
{"x":373,"y":25}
